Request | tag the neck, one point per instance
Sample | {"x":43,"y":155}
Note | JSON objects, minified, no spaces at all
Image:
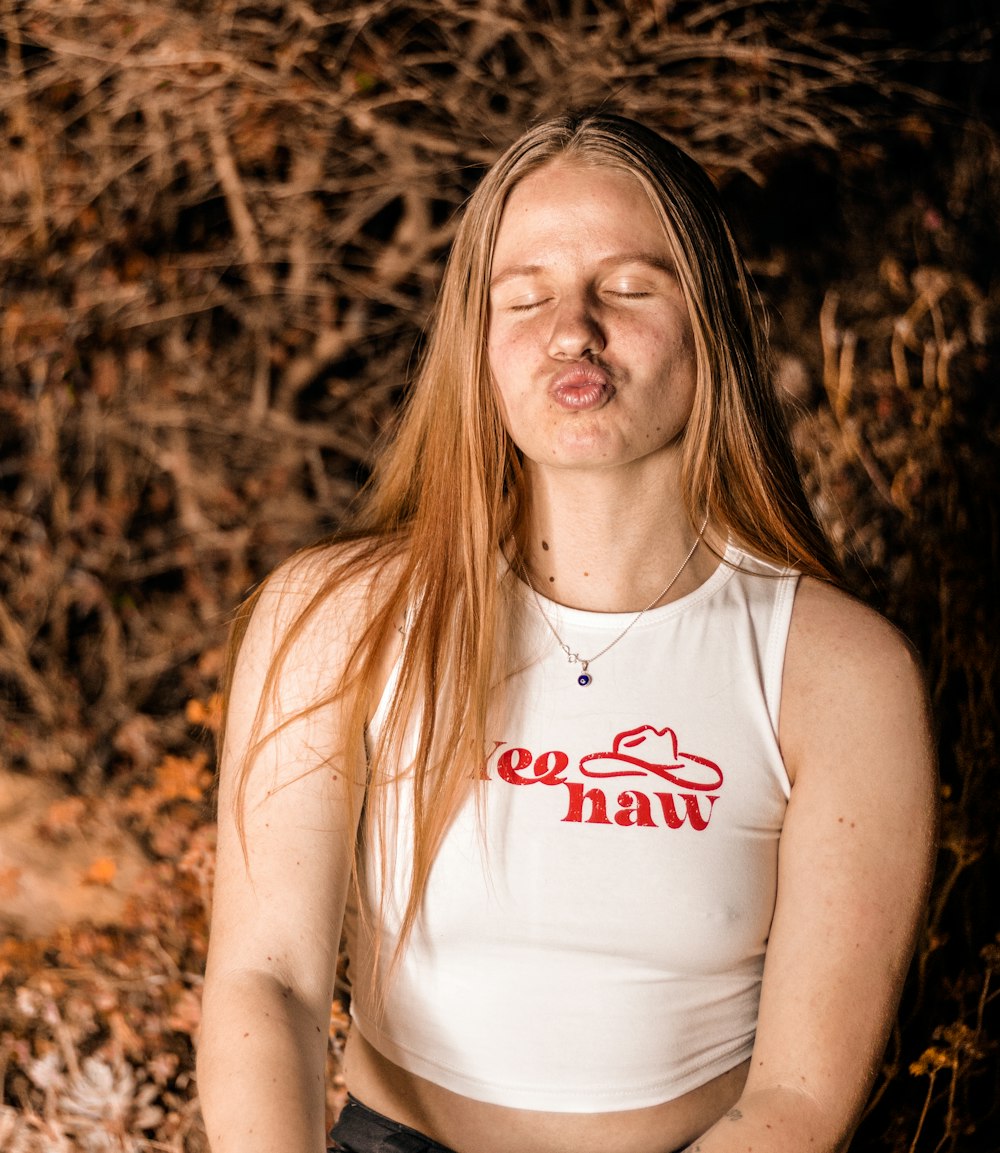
{"x":593,"y":543}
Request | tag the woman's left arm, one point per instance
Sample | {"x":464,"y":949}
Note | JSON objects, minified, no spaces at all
{"x":855,"y":862}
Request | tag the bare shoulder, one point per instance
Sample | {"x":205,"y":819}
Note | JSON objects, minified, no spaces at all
{"x":340,"y":576}
{"x":850,"y":676}
{"x":832,"y":623}
{"x":838,"y":643}
{"x":317,"y":602}
{"x":295,"y":639}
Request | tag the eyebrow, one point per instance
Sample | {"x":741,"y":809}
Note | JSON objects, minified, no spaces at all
{"x":647,"y":258}
{"x":513,"y":272}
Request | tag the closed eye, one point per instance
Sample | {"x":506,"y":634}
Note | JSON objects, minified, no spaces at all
{"x":628,"y":287}
{"x":526,"y":307}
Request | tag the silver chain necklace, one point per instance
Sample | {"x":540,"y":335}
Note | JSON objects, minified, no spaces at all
{"x":585,"y":678}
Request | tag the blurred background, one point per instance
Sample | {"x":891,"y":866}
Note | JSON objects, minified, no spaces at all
{"x":222,"y":225}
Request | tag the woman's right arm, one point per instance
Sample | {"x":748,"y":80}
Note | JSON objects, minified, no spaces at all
{"x":278,"y":909}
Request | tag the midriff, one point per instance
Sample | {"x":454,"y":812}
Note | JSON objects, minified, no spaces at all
{"x":470,"y":1126}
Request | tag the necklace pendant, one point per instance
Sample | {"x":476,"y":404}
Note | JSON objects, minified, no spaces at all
{"x":584,"y":678}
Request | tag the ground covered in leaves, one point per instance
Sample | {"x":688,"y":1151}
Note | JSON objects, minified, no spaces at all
{"x":221,"y":228}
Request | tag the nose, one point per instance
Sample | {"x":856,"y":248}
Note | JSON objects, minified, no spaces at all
{"x":575,"y":331}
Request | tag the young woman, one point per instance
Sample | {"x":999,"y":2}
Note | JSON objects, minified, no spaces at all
{"x":631,"y":808}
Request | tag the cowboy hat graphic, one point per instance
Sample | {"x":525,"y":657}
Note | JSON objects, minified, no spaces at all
{"x":648,"y":750}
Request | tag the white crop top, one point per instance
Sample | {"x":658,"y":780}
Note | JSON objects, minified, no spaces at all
{"x":595,"y":940}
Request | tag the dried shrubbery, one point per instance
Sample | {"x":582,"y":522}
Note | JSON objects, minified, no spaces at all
{"x":222,"y":228}
{"x":907,"y":480}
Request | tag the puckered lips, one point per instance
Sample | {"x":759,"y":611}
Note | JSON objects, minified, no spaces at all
{"x":581,"y":388}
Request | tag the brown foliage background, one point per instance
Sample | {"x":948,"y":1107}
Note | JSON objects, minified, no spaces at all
{"x":221,"y":228}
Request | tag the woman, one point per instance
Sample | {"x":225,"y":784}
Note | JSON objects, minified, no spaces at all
{"x":636,"y":807}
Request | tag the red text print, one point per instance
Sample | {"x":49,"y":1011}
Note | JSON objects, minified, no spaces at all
{"x":645,"y":751}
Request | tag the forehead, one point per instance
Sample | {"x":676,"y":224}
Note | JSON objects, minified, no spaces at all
{"x":573,"y":206}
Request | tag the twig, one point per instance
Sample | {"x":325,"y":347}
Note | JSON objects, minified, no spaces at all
{"x":239,"y":211}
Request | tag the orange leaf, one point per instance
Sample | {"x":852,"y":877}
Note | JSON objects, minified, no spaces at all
{"x":64,"y":816}
{"x":10,"y":881}
{"x":182,"y":778}
{"x":207,"y":713}
{"x":101,"y":872}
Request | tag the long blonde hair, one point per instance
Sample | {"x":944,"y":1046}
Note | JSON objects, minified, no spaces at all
{"x":446,"y":497}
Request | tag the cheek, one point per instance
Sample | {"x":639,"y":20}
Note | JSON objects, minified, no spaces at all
{"x":502,"y":362}
{"x":508,"y":351}
{"x":675,"y":354}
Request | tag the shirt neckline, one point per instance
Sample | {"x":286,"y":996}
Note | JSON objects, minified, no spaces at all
{"x":592,"y":619}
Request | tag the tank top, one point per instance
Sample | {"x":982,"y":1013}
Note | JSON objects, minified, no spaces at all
{"x":593,"y":932}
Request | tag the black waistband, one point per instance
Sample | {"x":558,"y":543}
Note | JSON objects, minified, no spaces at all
{"x":363,"y":1130}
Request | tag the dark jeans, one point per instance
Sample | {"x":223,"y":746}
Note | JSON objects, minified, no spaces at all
{"x":362,"y":1130}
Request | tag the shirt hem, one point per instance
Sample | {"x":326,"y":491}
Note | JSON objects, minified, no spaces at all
{"x":580,"y":1099}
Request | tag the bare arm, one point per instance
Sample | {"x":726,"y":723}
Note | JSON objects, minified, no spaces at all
{"x":855,"y":861}
{"x":277,"y":914}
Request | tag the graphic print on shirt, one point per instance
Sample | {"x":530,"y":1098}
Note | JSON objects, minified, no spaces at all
{"x":645,"y":752}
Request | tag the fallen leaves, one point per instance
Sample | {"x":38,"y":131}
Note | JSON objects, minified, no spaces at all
{"x":101,"y":872}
